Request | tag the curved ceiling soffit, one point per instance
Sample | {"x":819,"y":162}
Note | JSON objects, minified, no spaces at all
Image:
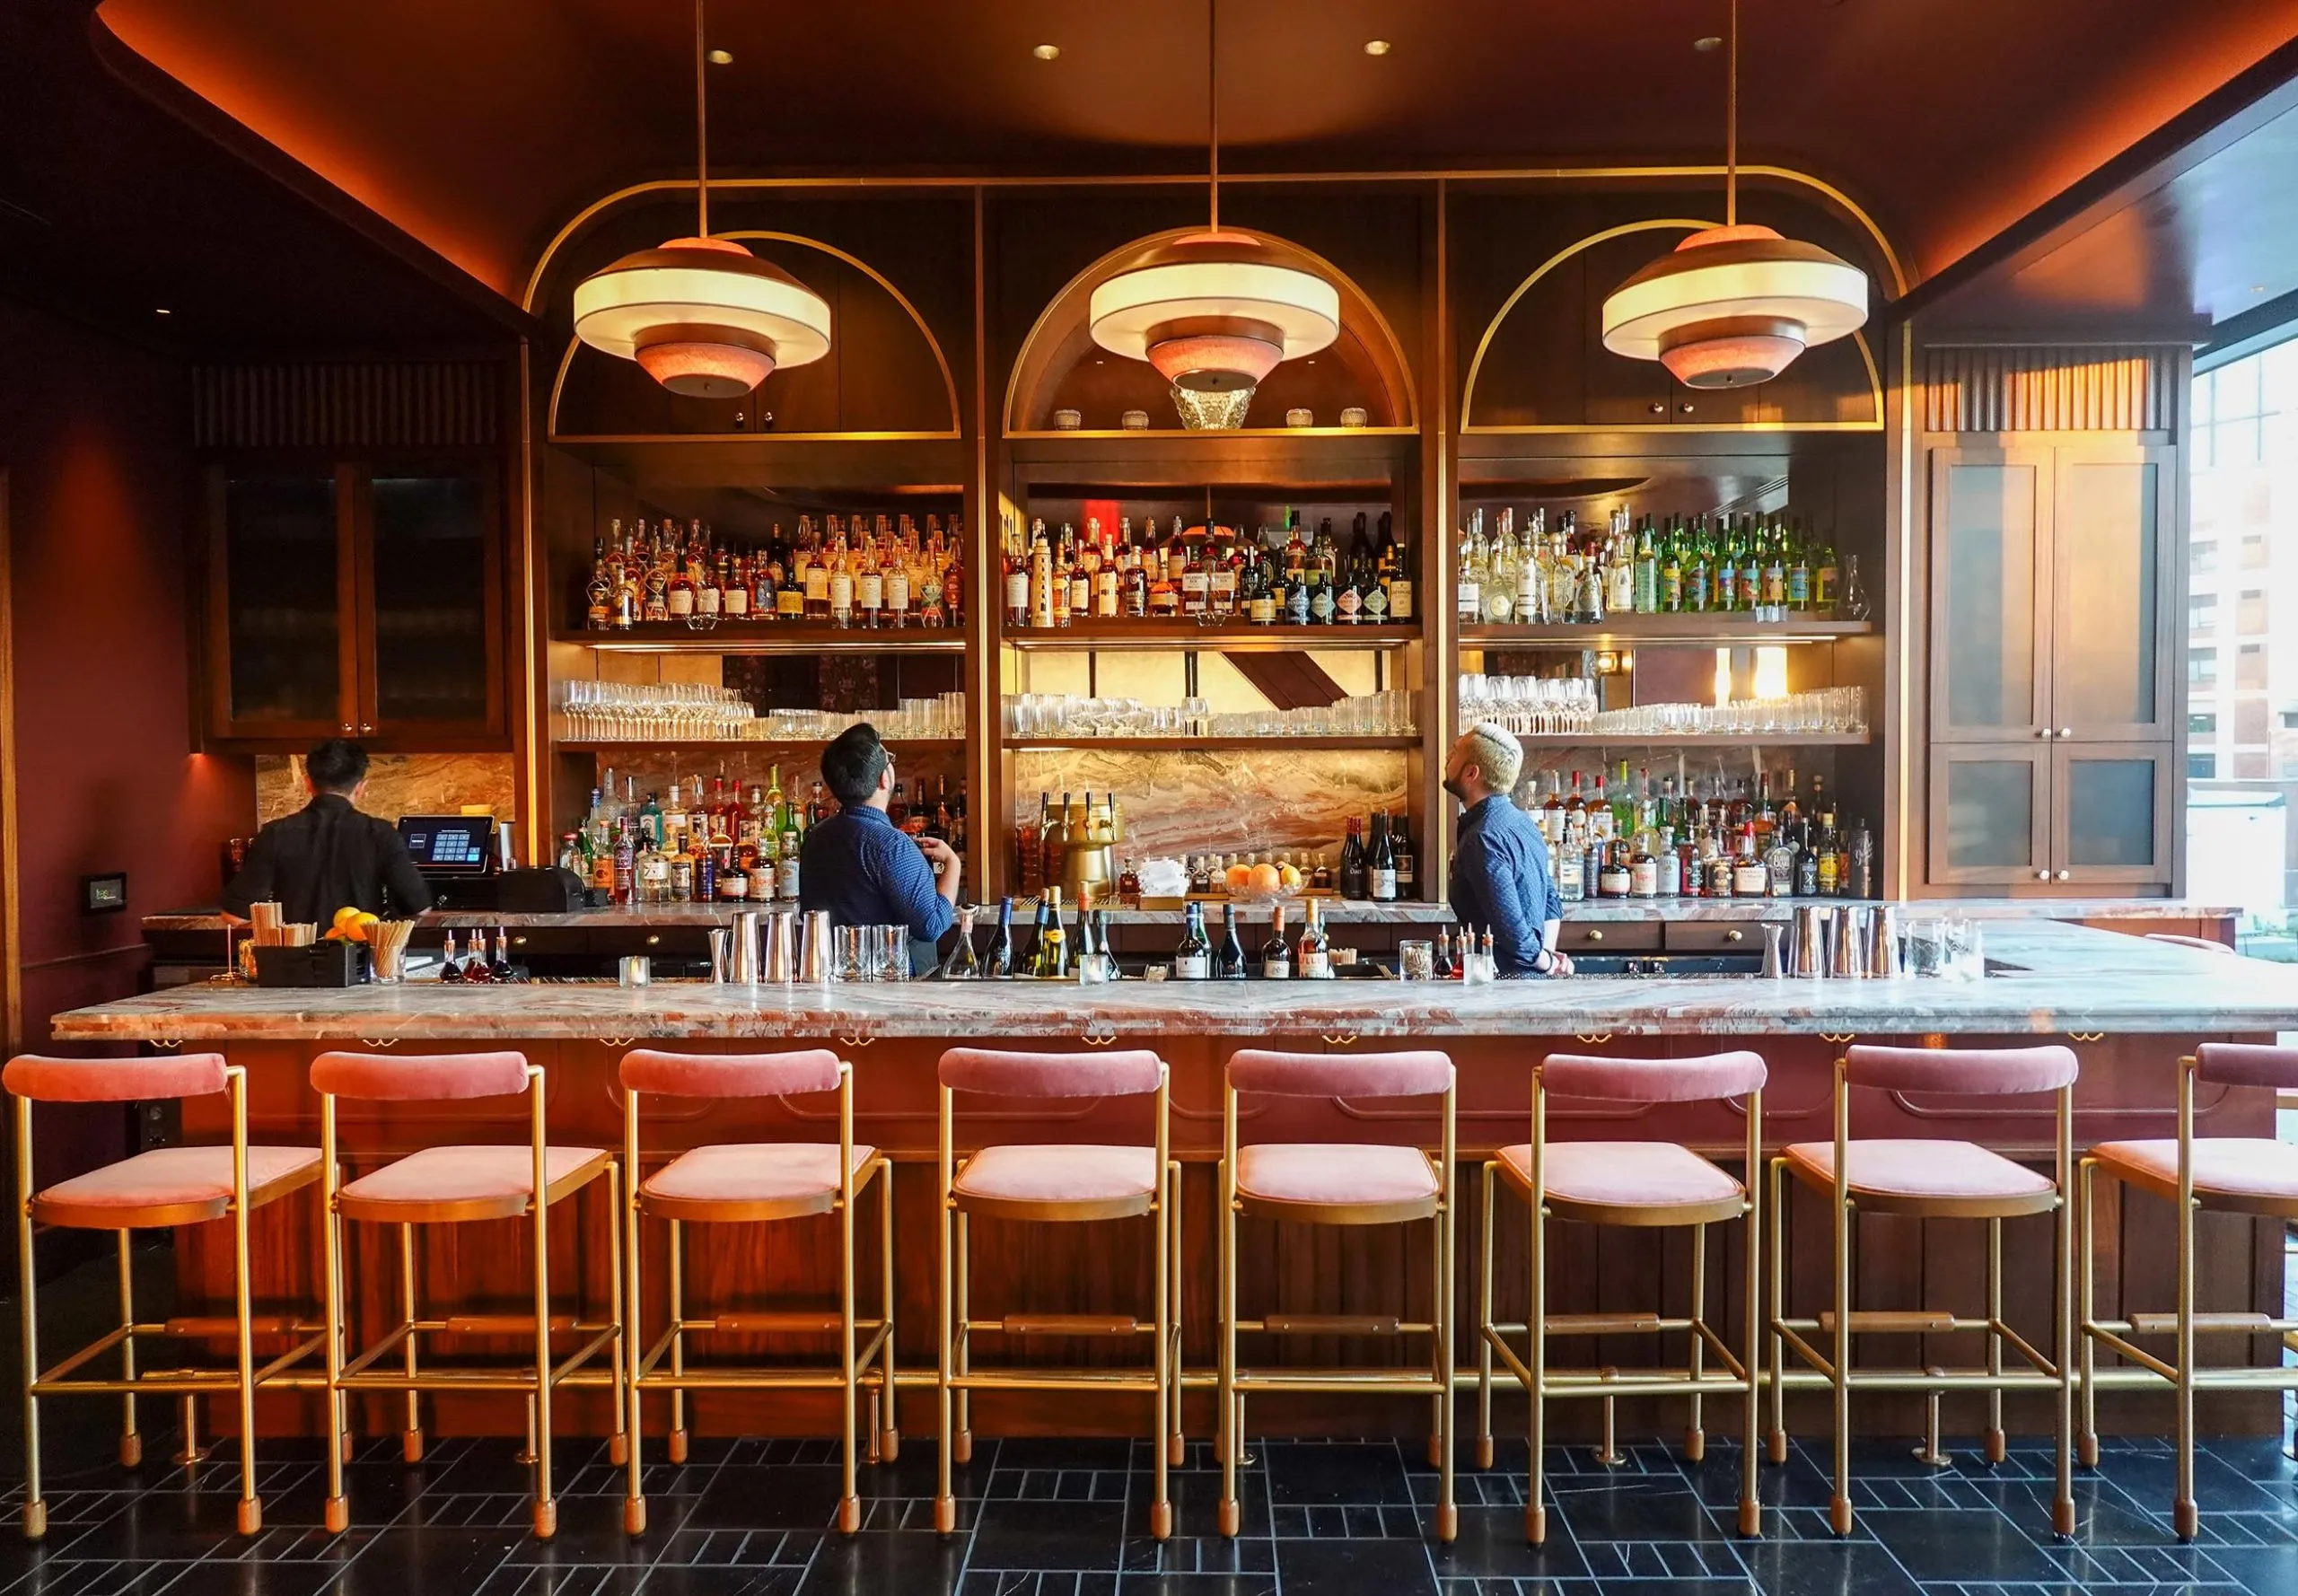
{"x":1359,"y":314}
{"x":1657,"y":224}
{"x":765,"y":235}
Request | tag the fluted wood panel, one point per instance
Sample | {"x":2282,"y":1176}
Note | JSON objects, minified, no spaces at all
{"x":348,"y":405}
{"x":2108,"y":389}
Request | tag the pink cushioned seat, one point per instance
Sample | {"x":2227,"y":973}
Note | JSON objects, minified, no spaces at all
{"x":1650,"y":1175}
{"x":1925,"y":1171}
{"x":1119,"y":1180}
{"x":489,"y":1181}
{"x":178,"y":1177}
{"x":730,"y":1074}
{"x":1336,"y":1175}
{"x":2243,"y":1169}
{"x":753,"y":1172}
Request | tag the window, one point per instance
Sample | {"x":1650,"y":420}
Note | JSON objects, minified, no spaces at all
{"x":2290,"y":720}
{"x":2202,"y":766}
{"x":2250,"y":665}
{"x":2202,"y":666}
{"x":2207,"y":725}
{"x":2204,"y":556}
{"x":2202,"y":612}
{"x":2250,"y":613}
{"x":2250,"y":723}
{"x":2254,"y":550}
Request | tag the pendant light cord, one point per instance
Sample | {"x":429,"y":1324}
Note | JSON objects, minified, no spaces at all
{"x":1212,"y":103}
{"x":702,"y":130}
{"x":1730,"y":123}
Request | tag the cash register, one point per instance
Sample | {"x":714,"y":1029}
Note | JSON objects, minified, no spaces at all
{"x":468,"y":863}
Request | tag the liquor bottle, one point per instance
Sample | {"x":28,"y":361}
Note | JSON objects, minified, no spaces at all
{"x":1400,"y":560}
{"x":1647,"y":570}
{"x":1001,"y":949}
{"x":1051,"y":962}
{"x":1128,"y":884}
{"x":1826,"y":583}
{"x":1408,"y":862}
{"x":1193,"y":958}
{"x":599,"y":616}
{"x":1026,"y":964}
{"x":1860,"y":877}
{"x":1568,"y":861}
{"x":1277,"y":953}
{"x":500,"y":966}
{"x":1356,"y":873}
{"x":626,"y":862}
{"x":1851,"y":605}
{"x":1316,"y":947}
{"x":1380,"y":867}
{"x":1828,"y":875}
{"x":1643,"y":859}
{"x":1229,"y":962}
{"x":963,"y":964}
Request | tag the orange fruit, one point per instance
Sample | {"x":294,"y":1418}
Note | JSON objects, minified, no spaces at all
{"x":1265,"y":878}
{"x":1239,"y":877}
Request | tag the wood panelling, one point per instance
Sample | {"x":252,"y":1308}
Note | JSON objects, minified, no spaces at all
{"x":422,"y":404}
{"x":2112,"y":389}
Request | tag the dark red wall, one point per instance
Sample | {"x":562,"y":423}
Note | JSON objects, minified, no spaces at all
{"x":95,"y":441}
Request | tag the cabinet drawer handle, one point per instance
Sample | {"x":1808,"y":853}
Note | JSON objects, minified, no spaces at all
{"x":2042,"y":875}
{"x":2061,"y":875}
{"x":2044,"y":732}
{"x":366,"y":729}
{"x":655,"y":939}
{"x":1735,"y":935}
{"x":1591,"y":1040}
{"x":2067,"y":731}
{"x":1592,"y":935}
{"x":1340,"y":1039}
{"x":856,"y":1041}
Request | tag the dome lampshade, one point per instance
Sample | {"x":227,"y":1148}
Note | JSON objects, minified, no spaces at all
{"x":1212,"y":318}
{"x":702,"y":316}
{"x":1732,"y":306}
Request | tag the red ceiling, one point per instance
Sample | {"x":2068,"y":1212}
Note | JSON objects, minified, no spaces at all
{"x":481,"y":128}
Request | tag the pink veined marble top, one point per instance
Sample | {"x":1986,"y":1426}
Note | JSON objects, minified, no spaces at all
{"x":2057,"y":977}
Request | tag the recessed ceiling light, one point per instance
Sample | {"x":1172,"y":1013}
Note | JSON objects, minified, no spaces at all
{"x":2258,"y":288}
{"x":162,"y":311}
{"x":722,"y":57}
{"x":1711,"y":42}
{"x":1377,"y":47}
{"x":1046,"y":52}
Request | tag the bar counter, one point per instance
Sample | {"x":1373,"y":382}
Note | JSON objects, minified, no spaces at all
{"x":2129,"y":1007}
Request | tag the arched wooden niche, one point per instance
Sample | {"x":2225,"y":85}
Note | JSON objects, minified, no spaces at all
{"x":885,"y":374}
{"x":1060,"y":367}
{"x":1541,"y":364}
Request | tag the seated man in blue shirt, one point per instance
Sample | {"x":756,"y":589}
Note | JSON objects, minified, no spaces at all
{"x":863,"y":871}
{"x":1500,"y":875}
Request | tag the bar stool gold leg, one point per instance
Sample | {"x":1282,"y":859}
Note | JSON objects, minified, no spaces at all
{"x":1161,"y":1506}
{"x":634,"y":1500}
{"x":889,"y":1447}
{"x":2087,"y":1441}
{"x":961,"y":1442}
{"x":27,"y":1299}
{"x":945,"y":1504}
{"x":1437,"y":1404}
{"x":338,"y":1510}
{"x":1695,"y":1435}
{"x":546,"y":1507}
{"x":1751,"y":1509}
{"x":1839,"y":1506}
{"x":1176,"y":1444}
{"x":674,"y":1445}
{"x":619,"y":1441}
{"x":1993,"y":1439}
{"x":1932,"y":1454}
{"x":1484,"y":1319}
{"x":250,"y":1509}
{"x":411,"y":1436}
{"x":1776,"y":1439}
{"x":2184,"y":1518}
{"x":1536,"y":1355}
{"x":1231,"y":1518}
{"x":1448,"y":1512}
{"x":131,"y":1443}
{"x":849,"y":1501}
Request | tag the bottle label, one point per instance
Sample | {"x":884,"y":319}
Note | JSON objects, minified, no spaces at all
{"x":1384,"y":885}
{"x":1017,"y":593}
{"x":1471,"y":604}
{"x":1277,"y":969}
{"x":1376,"y":605}
{"x":871,"y":591}
{"x":1321,"y":606}
{"x":1105,"y":594}
{"x":1194,"y":587}
{"x":1192,"y":967}
{"x":1400,"y":599}
{"x":1296,"y":605}
{"x":682,"y":600}
{"x":1349,"y":605}
{"x":790,"y":603}
{"x":1749,"y":878}
{"x":841,"y":593}
{"x":1316,"y":967}
{"x":818,"y":582}
{"x":1262,"y":610}
{"x":1612,"y":881}
{"x":738,"y":601}
{"x":1644,"y":878}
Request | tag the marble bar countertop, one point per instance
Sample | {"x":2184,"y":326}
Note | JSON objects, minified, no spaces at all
{"x":1349,"y":911}
{"x":2058,"y":978}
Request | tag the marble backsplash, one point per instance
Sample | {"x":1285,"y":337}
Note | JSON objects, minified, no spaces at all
{"x":1229,"y":802}
{"x":397,"y":784}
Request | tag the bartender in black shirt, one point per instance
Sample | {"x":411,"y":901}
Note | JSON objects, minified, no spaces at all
{"x":326,"y":856}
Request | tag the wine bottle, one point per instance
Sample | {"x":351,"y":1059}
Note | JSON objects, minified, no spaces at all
{"x":1277,"y":953}
{"x":1381,"y":867}
{"x":1408,"y":863}
{"x":1315,"y":947}
{"x":1355,"y":876}
{"x":1001,"y":950}
{"x":1052,"y":961}
{"x":1230,"y":963}
{"x":1193,"y":958}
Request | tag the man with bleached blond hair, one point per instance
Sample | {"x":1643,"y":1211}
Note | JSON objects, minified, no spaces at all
{"x":1500,"y":873}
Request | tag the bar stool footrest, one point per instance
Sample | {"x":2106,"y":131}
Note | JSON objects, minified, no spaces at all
{"x":2167,"y":1324}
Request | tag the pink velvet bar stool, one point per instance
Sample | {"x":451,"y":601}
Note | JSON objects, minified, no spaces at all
{"x":1627,"y":1183}
{"x":758,"y":1183}
{"x":2253,"y":1175}
{"x":1337,"y":1183}
{"x":1056,"y":1183}
{"x":1932,"y":1180}
{"x":455,"y":1185}
{"x":160,"y":1189}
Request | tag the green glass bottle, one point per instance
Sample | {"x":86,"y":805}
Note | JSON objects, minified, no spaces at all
{"x":1699,"y":577}
{"x":1671,"y":569}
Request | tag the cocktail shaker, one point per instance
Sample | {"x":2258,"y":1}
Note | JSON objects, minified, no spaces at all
{"x":1883,"y":942}
{"x":1775,"y":966}
{"x":780,"y":961}
{"x":721,"y":941}
{"x":1849,"y":960}
{"x":1810,"y":957}
{"x":814,"y":959}
{"x":743,"y":960}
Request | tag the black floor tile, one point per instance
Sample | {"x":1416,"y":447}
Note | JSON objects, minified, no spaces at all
{"x":1355,"y":1568}
{"x":724,"y":1581}
{"x":1076,"y":1537}
{"x":2151,"y":1478}
{"x":1491,"y":1545}
{"x":1968,"y":1548}
{"x":430,"y":1560}
{"x":878,"y":1564}
{"x":1354,"y":1472}
{"x":1200,"y":1584}
{"x":1826,"y":1568}
{"x":745,"y":1496}
{"x":254,"y":1578}
{"x":2261,"y":1569}
{"x":1629,"y":1507}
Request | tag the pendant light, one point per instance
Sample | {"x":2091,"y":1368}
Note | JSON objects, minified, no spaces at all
{"x":1734,"y":305}
{"x":703,"y":316}
{"x":1208,"y":309}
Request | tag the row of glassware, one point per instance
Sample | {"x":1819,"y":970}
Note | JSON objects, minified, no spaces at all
{"x":694,"y":712}
{"x":1552,"y":706}
{"x":1387,"y":713}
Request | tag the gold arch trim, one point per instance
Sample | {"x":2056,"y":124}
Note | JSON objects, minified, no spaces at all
{"x":1101,"y":265}
{"x":1543,"y":174}
{"x":949,"y":381}
{"x":1657,"y":224}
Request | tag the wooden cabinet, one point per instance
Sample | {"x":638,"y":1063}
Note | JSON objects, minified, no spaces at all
{"x":2052,"y":745}
{"x":356,"y":599}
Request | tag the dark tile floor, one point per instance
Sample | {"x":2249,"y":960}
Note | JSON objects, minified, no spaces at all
{"x":1049,"y":1518}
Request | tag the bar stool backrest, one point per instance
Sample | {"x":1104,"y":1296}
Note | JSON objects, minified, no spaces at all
{"x":730,"y":1075}
{"x":419,"y":1077}
{"x":113,"y":1080}
{"x":1134,"y":1073}
{"x":1652,"y":1080}
{"x":1973,"y":1072}
{"x":2240,"y":1063}
{"x":1422,"y":1073}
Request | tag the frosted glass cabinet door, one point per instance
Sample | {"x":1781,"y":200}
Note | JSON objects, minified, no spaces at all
{"x":1990,"y":520}
{"x":278,"y":572}
{"x":2109,"y":673}
{"x":2111,"y":819}
{"x":1989,"y":814}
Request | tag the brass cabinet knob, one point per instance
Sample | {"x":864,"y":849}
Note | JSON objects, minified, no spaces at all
{"x":2043,"y":732}
{"x":654,"y":939}
{"x":1735,"y":935}
{"x":2042,"y":875}
{"x":2061,"y":875}
{"x":347,"y":728}
{"x":1595,"y":935}
{"x":366,"y":729}
{"x":2067,"y":732}
{"x":1659,"y":407}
